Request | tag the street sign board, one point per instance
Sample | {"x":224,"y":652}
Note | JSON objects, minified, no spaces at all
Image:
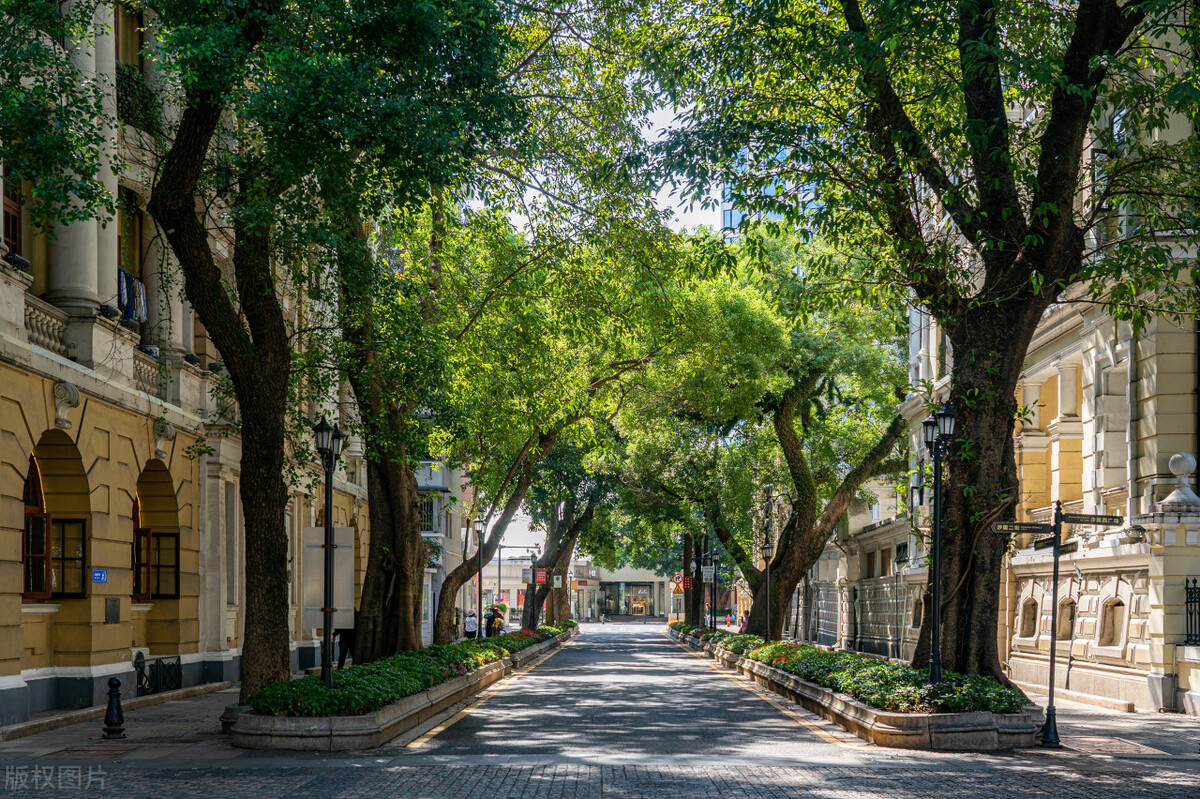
{"x":687,"y":583}
{"x":1067,"y":549}
{"x":527,"y":575}
{"x":1023,"y":527}
{"x":678,"y":589}
{"x":540,"y":576}
{"x":677,"y":578}
{"x":706,"y":572}
{"x":1044,"y":543}
{"x":558,"y":581}
{"x":1093,"y":518}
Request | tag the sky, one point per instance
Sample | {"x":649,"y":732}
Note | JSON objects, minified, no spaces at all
{"x":686,"y":215}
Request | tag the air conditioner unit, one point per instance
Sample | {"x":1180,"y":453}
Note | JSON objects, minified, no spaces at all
{"x":138,"y":652}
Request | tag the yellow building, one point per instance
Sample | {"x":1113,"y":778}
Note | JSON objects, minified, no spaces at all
{"x":120,"y":516}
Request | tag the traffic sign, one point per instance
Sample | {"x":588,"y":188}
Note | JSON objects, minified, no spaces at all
{"x":1044,"y":543}
{"x":1067,"y":549}
{"x":677,"y":578}
{"x":1093,"y":518}
{"x":678,"y":588}
{"x":1023,"y":527}
{"x":687,"y":583}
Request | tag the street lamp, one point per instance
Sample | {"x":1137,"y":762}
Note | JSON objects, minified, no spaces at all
{"x":479,"y":528}
{"x":712,"y":606}
{"x":768,"y":546}
{"x":768,"y":549}
{"x":938,"y":429}
{"x":329,"y":446}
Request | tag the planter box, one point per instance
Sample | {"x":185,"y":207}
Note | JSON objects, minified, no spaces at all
{"x":340,"y":733}
{"x":980,"y":731}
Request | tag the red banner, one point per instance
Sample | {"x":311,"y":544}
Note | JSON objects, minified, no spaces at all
{"x":687,"y":583}
{"x":540,"y":576}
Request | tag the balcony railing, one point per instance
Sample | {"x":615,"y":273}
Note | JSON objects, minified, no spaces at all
{"x":136,"y":104}
{"x":46,"y":325}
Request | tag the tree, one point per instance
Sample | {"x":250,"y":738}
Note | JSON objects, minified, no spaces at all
{"x":568,"y":501}
{"x":278,"y":116}
{"x":989,"y":152}
{"x":765,"y":395}
{"x":55,"y":129}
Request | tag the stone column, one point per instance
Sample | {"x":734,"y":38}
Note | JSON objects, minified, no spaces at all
{"x":106,"y":73}
{"x":1066,"y":438}
{"x":1031,"y":446}
{"x":163,"y":305}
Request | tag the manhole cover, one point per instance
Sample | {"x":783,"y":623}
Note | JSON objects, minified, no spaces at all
{"x":97,"y":750}
{"x":1108,"y":746}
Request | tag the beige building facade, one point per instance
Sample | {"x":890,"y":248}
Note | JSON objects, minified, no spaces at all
{"x":120,"y":516}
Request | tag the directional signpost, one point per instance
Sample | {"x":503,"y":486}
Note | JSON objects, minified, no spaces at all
{"x":1050,"y":729}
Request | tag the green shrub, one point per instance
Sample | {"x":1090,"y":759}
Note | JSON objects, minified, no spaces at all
{"x":568,"y":623}
{"x":367,"y":687}
{"x":896,"y":687}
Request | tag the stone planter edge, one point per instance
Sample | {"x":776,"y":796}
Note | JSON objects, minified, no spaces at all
{"x":341,"y":733}
{"x":979,"y":731}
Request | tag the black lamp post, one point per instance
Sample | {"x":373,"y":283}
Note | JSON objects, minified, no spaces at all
{"x":712,"y":559}
{"x":938,"y":430}
{"x":768,"y":546}
{"x":329,"y":445}
{"x":479,"y":528}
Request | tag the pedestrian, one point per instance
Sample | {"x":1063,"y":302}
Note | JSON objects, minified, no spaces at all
{"x":492,"y":621}
{"x":744,"y":626}
{"x":471,"y":624}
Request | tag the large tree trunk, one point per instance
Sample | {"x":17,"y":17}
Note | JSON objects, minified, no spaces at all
{"x":558,"y":605}
{"x":989,"y":349}
{"x":252,"y":337}
{"x":390,"y":608}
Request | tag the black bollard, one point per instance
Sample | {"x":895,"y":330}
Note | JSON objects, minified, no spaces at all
{"x":114,"y":719}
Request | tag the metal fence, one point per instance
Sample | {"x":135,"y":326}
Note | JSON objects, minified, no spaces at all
{"x":158,"y":675}
{"x":1192,"y":611}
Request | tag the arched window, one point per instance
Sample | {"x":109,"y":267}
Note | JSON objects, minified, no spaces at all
{"x":918,"y":611}
{"x":155,"y":560}
{"x":35,"y":546}
{"x":1029,"y":618}
{"x":1112,"y":623}
{"x":1066,"y":620}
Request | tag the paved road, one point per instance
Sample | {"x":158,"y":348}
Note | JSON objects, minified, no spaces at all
{"x":621,"y":711}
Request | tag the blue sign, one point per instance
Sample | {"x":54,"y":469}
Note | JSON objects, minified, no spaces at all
{"x":99,"y":575}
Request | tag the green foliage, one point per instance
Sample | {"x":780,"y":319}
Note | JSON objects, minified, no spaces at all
{"x":52,"y":118}
{"x":368,"y":687}
{"x":896,"y":687}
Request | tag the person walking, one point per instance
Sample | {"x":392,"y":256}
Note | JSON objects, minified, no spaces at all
{"x":471,"y":624}
{"x":745,"y":624}
{"x":491,"y":621}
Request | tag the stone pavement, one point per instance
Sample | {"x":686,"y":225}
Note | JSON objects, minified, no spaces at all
{"x":621,"y":711}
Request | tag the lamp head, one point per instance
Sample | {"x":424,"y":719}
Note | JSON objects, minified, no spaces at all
{"x":768,"y":549}
{"x":322,"y":435}
{"x":336,"y":440}
{"x":945,"y":421}
{"x":929,"y":430}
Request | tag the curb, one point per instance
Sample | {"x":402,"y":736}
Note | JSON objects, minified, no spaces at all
{"x":978,"y":731}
